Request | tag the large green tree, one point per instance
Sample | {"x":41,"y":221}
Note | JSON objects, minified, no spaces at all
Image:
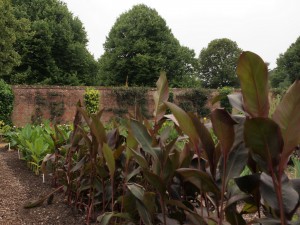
{"x":288,"y":67}
{"x":55,"y":52}
{"x":139,"y":46}
{"x":217,"y":64}
{"x":10,"y":29}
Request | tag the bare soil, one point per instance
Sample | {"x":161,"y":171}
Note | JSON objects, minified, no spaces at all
{"x":19,"y":185}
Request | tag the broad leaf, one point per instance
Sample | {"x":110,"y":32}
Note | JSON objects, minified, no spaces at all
{"x":263,"y":137}
{"x":200,"y":179}
{"x":160,"y":96}
{"x":155,"y":181}
{"x":287,"y":116}
{"x":185,"y":122}
{"x":236,"y":101}
{"x":142,"y":136}
{"x":138,"y":158}
{"x":290,"y":197}
{"x":144,"y":213}
{"x":223,"y":127}
{"x":253,"y":75}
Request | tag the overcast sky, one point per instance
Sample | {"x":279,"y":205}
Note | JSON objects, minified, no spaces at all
{"x":266,"y":27}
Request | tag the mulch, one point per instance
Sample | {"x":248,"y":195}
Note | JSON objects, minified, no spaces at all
{"x":19,"y":185}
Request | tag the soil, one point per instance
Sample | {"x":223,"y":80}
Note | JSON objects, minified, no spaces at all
{"x":19,"y":185}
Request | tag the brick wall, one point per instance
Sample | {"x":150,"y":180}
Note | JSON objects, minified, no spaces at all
{"x":58,"y":103}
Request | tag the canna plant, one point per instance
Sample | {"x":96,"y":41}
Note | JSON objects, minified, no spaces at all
{"x":147,"y":175}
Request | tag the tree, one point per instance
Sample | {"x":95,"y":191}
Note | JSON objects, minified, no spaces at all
{"x":55,"y":52}
{"x":6,"y":102}
{"x":217,"y":64}
{"x":288,"y":67}
{"x":11,"y":28}
{"x":139,"y":46}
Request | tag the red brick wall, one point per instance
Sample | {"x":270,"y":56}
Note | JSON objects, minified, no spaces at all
{"x":58,"y":103}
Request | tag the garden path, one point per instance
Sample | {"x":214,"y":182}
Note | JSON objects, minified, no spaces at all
{"x":19,"y":185}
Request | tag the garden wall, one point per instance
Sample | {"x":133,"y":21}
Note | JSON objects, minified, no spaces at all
{"x":58,"y":103}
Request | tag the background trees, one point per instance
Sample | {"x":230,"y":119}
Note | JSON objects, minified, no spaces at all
{"x":288,"y":67}
{"x":10,"y":29}
{"x":55,"y":51}
{"x":139,"y":46}
{"x":217,"y":63}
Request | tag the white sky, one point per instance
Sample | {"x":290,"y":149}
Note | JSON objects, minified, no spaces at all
{"x":266,"y":27}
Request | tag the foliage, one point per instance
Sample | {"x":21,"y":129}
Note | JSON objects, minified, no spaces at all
{"x":91,"y":100}
{"x":36,"y":141}
{"x":139,"y":46}
{"x":55,"y":51}
{"x":6,"y":102}
{"x":288,"y":67}
{"x":142,"y":177}
{"x":217,"y":64}
{"x":224,"y":102}
{"x":130,"y":98}
{"x":11,"y":29}
{"x":194,"y":100}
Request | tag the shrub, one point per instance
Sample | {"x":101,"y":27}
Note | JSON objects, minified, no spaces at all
{"x":224,"y":102}
{"x":194,"y":100}
{"x":91,"y":100}
{"x":6,"y":102}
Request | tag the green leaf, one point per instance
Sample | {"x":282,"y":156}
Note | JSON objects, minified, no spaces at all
{"x":263,"y":137}
{"x":253,"y":74}
{"x":137,"y":190}
{"x":142,"y":136}
{"x":185,"y":122}
{"x":110,"y":160}
{"x":287,"y":116}
{"x":223,"y":127}
{"x":200,"y":179}
{"x":160,"y":96}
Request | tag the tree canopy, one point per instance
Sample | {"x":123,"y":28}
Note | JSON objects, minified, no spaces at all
{"x":217,"y":64}
{"x":11,"y":28}
{"x":139,"y":46}
{"x":288,"y":67}
{"x":54,"y":51}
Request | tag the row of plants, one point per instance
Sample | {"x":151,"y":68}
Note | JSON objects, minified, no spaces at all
{"x":143,"y":172}
{"x":176,"y":169}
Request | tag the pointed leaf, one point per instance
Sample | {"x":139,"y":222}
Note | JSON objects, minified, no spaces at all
{"x":161,"y":95}
{"x":287,"y":116}
{"x":110,"y":160}
{"x":223,"y":127}
{"x":206,"y":142}
{"x":253,"y":75}
{"x":185,"y":122}
{"x":142,"y":136}
{"x":139,"y":158}
{"x":200,"y":179}
{"x":143,"y":212}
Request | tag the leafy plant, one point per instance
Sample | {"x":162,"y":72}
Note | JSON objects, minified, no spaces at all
{"x":142,"y":177}
{"x":91,"y":100}
{"x":6,"y":102}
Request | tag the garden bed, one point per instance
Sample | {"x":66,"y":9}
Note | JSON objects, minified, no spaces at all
{"x":19,"y":186}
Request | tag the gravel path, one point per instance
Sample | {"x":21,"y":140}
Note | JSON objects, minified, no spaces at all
{"x":19,"y":185}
